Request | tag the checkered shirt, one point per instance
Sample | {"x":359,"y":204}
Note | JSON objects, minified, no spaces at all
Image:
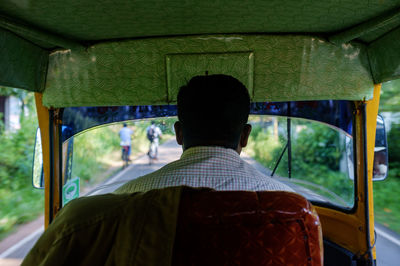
{"x":204,"y":166}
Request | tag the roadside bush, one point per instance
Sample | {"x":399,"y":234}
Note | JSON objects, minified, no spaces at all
{"x":316,"y":156}
{"x":393,"y":138}
{"x":19,"y":201}
{"x":16,"y":156}
{"x":91,"y":151}
{"x":264,"y":146}
{"x":314,"y":144}
{"x":317,"y":144}
{"x":386,"y":200}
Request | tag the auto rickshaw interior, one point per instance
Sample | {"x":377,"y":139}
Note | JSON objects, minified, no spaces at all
{"x":78,"y":56}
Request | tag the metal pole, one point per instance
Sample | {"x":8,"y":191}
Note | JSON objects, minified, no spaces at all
{"x":289,"y":143}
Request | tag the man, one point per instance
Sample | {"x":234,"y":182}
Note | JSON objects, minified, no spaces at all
{"x":212,"y":129}
{"x":125,"y":136}
{"x":153,"y":135}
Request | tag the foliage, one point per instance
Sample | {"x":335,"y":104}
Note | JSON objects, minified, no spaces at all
{"x":20,"y":94}
{"x":387,"y":201}
{"x":26,"y":99}
{"x":317,"y":144}
{"x":19,"y":201}
{"x":264,"y":146}
{"x":393,"y":138}
{"x":90,"y":150}
{"x":316,"y":156}
{"x":19,"y":206}
{"x":390,"y":97}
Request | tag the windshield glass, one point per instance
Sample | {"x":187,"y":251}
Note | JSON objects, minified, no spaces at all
{"x":313,"y":158}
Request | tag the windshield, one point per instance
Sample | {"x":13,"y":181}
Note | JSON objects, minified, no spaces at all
{"x":313,"y":158}
{"x":307,"y":145}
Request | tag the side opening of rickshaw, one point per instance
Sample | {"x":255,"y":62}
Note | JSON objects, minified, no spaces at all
{"x":292,"y":58}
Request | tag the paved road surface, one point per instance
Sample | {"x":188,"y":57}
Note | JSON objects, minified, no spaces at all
{"x":388,"y":243}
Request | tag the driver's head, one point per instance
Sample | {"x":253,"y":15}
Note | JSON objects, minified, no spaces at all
{"x":213,"y":111}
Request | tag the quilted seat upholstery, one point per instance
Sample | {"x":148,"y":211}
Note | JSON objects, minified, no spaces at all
{"x":247,"y":228}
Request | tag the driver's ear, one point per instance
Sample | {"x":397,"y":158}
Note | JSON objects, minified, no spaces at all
{"x":244,"y":137}
{"x":178,"y":132}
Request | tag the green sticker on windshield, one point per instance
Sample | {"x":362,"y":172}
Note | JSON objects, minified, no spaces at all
{"x":71,"y":190}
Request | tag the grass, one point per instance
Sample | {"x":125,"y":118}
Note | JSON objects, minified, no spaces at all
{"x":18,"y":207}
{"x":387,"y":202}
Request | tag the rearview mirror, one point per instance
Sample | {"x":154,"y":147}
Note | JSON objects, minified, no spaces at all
{"x":349,"y":157}
{"x":37,"y":167}
{"x":381,"y":162}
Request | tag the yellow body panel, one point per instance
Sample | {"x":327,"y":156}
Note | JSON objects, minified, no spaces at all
{"x":340,"y":228}
{"x":372,"y":112}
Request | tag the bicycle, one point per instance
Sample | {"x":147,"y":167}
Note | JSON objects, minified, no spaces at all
{"x":125,"y":156}
{"x":153,"y":151}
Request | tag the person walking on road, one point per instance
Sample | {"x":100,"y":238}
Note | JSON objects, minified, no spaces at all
{"x":125,"y":136}
{"x":153,"y":135}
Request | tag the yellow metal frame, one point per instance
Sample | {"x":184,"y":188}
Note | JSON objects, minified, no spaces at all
{"x":43,"y":114}
{"x":372,"y":113}
{"x":350,"y":230}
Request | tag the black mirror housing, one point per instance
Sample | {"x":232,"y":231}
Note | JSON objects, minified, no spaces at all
{"x":381,"y":159}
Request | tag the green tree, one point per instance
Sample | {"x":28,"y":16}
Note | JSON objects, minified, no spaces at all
{"x":390,"y":96}
{"x":19,"y":202}
{"x":317,"y":144}
{"x":390,"y":102}
{"x":26,"y":99}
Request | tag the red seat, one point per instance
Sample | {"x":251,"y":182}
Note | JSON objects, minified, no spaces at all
{"x":247,"y":228}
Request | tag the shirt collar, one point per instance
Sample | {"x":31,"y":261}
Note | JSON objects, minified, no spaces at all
{"x":207,"y":151}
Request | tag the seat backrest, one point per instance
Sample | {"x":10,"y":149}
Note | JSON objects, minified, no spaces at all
{"x":247,"y":228}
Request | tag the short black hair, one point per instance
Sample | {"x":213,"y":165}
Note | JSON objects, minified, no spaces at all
{"x":213,"y":108}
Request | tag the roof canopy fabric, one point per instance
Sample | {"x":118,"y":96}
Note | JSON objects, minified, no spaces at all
{"x":317,"y":33}
{"x":150,"y":71}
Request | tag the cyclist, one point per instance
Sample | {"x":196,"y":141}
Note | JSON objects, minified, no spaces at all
{"x":125,"y":136}
{"x":153,"y":135}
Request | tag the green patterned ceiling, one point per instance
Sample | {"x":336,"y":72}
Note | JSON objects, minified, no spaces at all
{"x":94,"y":20}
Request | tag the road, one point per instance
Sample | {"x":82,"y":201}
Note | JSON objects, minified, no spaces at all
{"x":14,"y":248}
